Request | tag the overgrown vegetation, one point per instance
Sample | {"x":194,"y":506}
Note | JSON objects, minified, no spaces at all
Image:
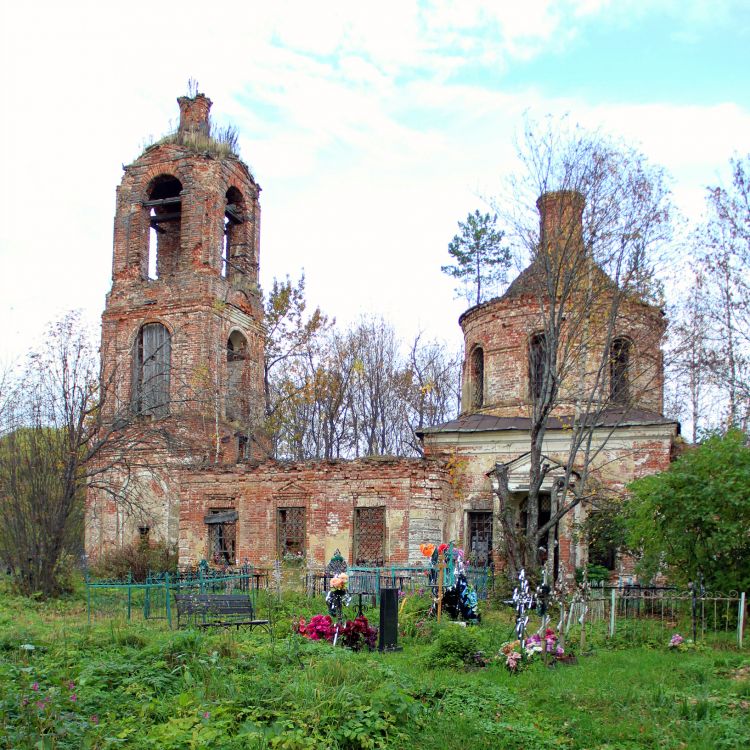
{"x":221,"y":142}
{"x":692,"y":520}
{"x":63,"y":685}
{"x":137,"y":560}
{"x":61,"y":435}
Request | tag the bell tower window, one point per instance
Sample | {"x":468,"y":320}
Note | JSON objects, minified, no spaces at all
{"x":151,"y":366}
{"x":234,"y":247}
{"x":164,"y":207}
{"x":619,"y":366}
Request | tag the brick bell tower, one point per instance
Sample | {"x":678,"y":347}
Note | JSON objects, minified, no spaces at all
{"x":182,"y":339}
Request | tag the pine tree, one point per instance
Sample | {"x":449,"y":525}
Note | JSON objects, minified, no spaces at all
{"x":481,"y":258}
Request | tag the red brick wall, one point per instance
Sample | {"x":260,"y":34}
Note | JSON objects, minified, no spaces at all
{"x":413,"y":492}
{"x":198,"y":305}
{"x":503,"y":328}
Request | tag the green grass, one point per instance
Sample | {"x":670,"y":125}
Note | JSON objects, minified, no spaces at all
{"x":142,"y":686}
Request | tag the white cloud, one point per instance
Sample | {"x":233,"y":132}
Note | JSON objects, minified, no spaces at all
{"x":367,"y":155}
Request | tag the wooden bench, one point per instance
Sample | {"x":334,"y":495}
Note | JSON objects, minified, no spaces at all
{"x":217,"y":611}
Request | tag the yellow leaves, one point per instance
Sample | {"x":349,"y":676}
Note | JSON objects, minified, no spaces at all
{"x":456,"y":468}
{"x":201,"y":377}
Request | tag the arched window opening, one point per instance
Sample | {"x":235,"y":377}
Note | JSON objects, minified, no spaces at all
{"x":537,"y":365}
{"x":164,"y":206}
{"x":153,"y":241}
{"x":225,"y":249}
{"x":476,"y":378}
{"x":151,"y":365}
{"x":236,"y":355}
{"x":234,"y":249}
{"x":619,"y":366}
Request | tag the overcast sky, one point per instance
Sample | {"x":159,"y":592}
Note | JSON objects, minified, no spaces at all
{"x":371,"y":127}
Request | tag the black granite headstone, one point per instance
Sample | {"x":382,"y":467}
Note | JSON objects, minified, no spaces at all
{"x":388,"y":620}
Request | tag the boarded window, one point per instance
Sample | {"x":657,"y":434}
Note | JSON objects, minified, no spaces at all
{"x":151,"y":364}
{"x":537,"y":365}
{"x":222,"y":536}
{"x":619,"y":364}
{"x":290,"y":527}
{"x":477,"y":378}
{"x":480,"y":537}
{"x":369,"y":536}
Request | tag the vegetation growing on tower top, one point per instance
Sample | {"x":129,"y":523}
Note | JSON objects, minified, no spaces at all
{"x":222,"y":142}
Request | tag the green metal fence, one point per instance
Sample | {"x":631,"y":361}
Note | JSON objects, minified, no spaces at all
{"x":407,"y":579}
{"x":153,"y":599}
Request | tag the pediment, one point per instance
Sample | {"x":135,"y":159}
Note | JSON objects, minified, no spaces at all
{"x":292,"y":489}
{"x":519,"y":470}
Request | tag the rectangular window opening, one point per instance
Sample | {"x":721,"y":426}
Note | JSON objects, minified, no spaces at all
{"x":369,"y":536}
{"x":222,"y":535}
{"x":480,"y":538}
{"x":290,"y":526}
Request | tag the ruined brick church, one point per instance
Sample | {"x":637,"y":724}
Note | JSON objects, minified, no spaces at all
{"x":182,"y":367}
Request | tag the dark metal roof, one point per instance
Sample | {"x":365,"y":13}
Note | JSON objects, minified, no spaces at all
{"x":491,"y":423}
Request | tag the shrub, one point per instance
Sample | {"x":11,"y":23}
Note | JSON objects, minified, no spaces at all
{"x":454,"y":646}
{"x":138,"y":559}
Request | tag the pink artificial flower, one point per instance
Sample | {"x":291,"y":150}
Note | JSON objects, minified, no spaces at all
{"x":40,"y":705}
{"x":73,"y":697}
{"x":35,"y":686}
{"x":206,"y":715}
{"x":71,"y":686}
{"x":512,"y":660}
{"x":94,"y":719}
